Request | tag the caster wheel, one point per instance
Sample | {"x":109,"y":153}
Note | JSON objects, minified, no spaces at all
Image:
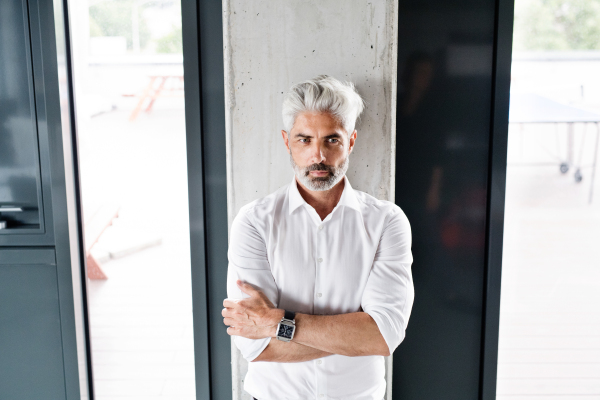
{"x":564,"y":168}
{"x":578,"y":176}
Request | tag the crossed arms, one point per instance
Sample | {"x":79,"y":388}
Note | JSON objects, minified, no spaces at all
{"x":252,"y":316}
{"x":352,"y":334}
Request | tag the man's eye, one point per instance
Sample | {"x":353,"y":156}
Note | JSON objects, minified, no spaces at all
{"x":333,"y":140}
{"x":303,"y":140}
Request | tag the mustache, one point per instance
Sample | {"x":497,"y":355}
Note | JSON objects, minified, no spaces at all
{"x":319,"y":167}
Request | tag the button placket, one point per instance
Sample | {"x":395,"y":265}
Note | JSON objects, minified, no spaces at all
{"x":317,"y":265}
{"x":321,"y":391}
{"x":321,"y":377}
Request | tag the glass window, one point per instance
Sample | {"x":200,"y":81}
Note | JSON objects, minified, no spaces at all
{"x":549,"y":322}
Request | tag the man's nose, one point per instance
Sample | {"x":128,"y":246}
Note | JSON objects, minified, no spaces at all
{"x":318,"y":154}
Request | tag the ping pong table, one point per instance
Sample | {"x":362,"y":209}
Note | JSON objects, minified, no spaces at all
{"x":534,"y":109}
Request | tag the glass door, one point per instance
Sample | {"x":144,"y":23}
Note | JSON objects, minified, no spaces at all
{"x":549,"y":343}
{"x":129,"y":101}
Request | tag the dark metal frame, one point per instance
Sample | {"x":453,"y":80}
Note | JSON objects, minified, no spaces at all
{"x":77,"y":192}
{"x":46,"y":86}
{"x":496,"y":193}
{"x":202,"y":28}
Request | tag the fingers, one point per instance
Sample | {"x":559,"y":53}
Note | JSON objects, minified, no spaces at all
{"x":245,"y":331}
{"x":227,"y":312}
{"x":228,"y":303}
{"x":230,"y":313}
{"x":231,"y":331}
{"x":231,"y":322}
{"x":232,"y":318}
{"x":242,"y":331}
{"x":235,"y":307}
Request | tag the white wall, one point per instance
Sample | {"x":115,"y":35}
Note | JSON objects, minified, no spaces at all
{"x":270,"y":45}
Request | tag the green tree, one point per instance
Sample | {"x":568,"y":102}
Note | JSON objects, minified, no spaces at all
{"x":170,"y":43}
{"x":557,"y":25}
{"x":114,"y":18}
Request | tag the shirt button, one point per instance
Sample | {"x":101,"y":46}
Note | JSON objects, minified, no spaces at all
{"x":319,"y":295}
{"x":321,"y":395}
{"x":320,"y":260}
{"x":320,"y":227}
{"x":319,"y":362}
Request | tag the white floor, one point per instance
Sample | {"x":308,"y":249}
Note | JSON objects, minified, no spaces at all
{"x":550,"y":318}
{"x":141,"y":327}
{"x":141,"y":317}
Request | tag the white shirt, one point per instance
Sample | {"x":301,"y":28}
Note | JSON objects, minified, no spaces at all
{"x":358,"y":257}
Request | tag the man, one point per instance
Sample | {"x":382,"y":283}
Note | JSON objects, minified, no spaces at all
{"x":319,"y":282}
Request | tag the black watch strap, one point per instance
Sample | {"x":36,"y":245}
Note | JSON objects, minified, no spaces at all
{"x":289,"y":315}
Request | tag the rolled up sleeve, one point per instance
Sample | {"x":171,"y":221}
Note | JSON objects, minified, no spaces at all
{"x":389,"y":292}
{"x":248,"y":262}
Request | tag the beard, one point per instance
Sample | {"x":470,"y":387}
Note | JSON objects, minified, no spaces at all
{"x":320,"y":183}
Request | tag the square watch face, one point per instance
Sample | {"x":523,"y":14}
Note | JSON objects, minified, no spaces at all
{"x":285,"y":331}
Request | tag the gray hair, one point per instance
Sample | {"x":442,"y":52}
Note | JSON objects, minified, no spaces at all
{"x":323,"y":94}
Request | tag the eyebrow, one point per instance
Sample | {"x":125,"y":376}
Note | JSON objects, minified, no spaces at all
{"x":330,"y":136}
{"x":302,"y":135}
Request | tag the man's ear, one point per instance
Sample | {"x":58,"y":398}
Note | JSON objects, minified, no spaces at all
{"x":351,"y":141}
{"x":284,"y":135}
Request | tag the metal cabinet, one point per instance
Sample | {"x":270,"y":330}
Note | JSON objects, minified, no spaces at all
{"x":31,"y":351}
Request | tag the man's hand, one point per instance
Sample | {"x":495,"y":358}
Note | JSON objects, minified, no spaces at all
{"x":254,"y":317}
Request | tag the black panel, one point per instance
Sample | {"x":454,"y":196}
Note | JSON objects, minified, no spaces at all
{"x":30,"y":335}
{"x":445,"y":74}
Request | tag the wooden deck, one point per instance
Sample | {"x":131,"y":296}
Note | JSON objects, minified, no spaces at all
{"x":141,"y":316}
{"x":141,"y":325}
{"x":550,"y":309}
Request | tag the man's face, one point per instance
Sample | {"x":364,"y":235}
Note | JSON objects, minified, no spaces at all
{"x":319,"y":147}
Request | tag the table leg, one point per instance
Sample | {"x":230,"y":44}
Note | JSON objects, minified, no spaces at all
{"x":157,"y":93}
{"x":140,"y":103}
{"x":570,"y":140}
{"x":594,"y":164}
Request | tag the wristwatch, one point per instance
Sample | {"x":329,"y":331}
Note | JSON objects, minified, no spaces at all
{"x":287,"y":326}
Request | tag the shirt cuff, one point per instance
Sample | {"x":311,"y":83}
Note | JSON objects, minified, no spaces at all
{"x":391,"y":332}
{"x":251,"y":348}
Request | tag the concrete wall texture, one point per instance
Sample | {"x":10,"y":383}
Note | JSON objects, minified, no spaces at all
{"x":271,"y":45}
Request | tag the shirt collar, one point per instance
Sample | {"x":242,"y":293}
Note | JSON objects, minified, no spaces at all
{"x":348,"y":198}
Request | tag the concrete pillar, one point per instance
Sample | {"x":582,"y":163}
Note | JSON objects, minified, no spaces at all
{"x":270,"y":45}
